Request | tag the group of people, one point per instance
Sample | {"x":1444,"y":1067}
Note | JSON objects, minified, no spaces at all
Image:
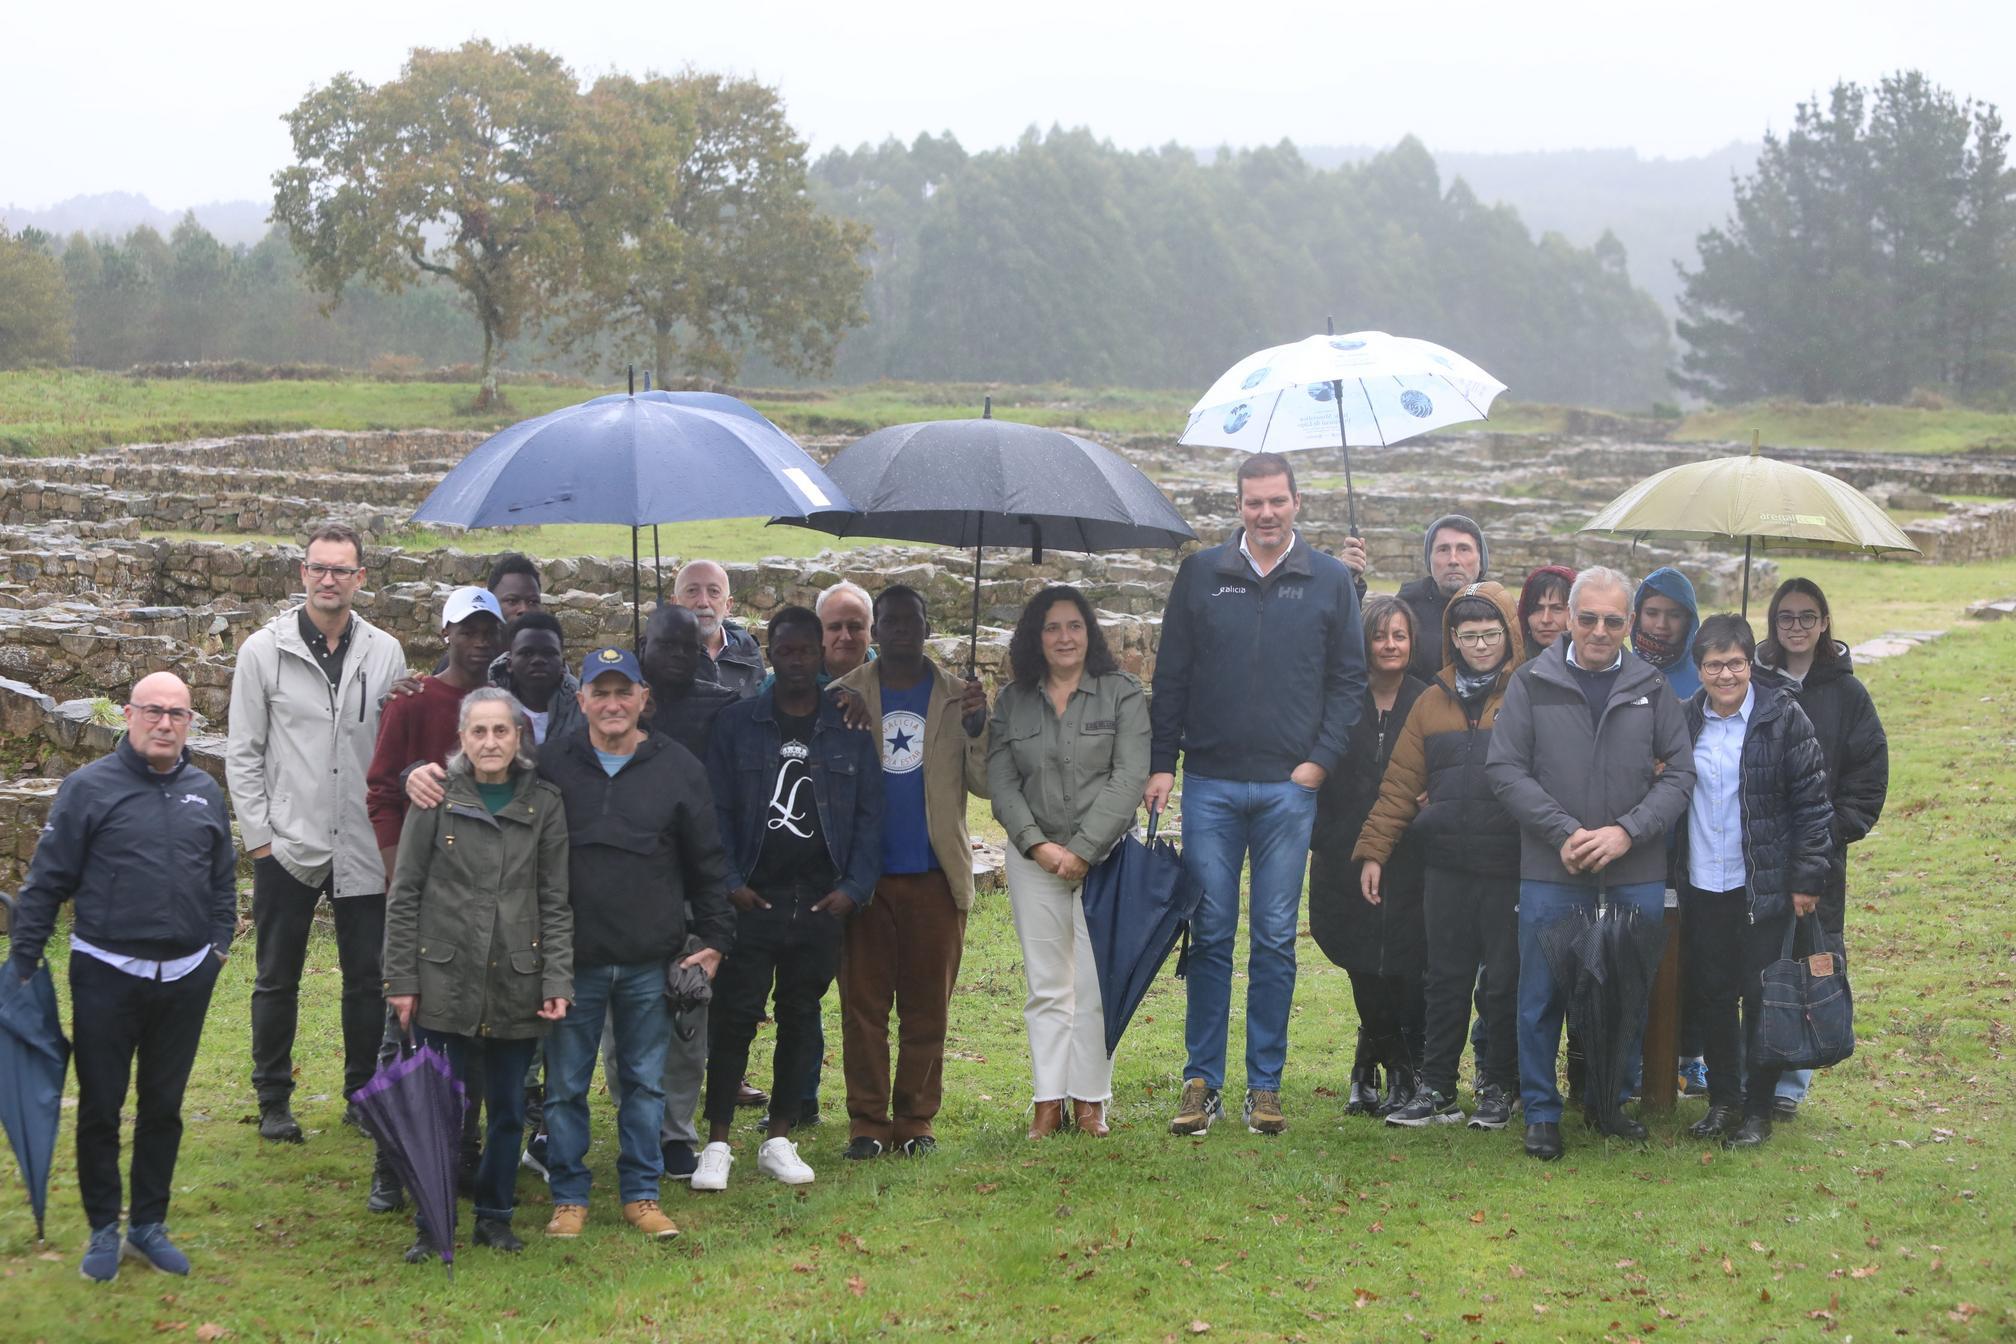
{"x":532,"y":853}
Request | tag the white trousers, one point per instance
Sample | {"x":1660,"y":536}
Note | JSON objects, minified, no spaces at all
{"x":1067,"y":1025}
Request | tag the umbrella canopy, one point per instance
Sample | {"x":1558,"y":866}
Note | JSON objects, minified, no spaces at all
{"x":989,"y":482}
{"x":1605,"y":965}
{"x":1755,"y":499}
{"x":1138,"y":899}
{"x":1362,"y":388}
{"x":413,"y":1108}
{"x":34,"y":1056}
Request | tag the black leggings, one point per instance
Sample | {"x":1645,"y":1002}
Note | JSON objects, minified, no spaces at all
{"x":1389,"y":1018}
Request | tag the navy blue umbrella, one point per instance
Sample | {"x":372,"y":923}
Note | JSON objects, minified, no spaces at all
{"x":636,"y":460}
{"x":34,"y":1056}
{"x":1138,"y":901}
{"x":413,"y":1108}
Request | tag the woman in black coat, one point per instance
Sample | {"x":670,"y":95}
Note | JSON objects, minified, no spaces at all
{"x":1383,"y":947}
{"x":1800,"y":643}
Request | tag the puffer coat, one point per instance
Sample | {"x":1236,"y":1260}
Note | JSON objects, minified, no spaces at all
{"x":1857,"y":750}
{"x":1385,"y":939}
{"x":1788,"y":824}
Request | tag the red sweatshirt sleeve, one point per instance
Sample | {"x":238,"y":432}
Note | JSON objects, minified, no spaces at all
{"x":384,"y":782}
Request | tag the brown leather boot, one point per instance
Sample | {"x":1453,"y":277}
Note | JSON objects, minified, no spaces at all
{"x":1090,"y":1117}
{"x":1047,"y":1120}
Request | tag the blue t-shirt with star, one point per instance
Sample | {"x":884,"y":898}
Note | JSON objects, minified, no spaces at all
{"x":906,"y":843}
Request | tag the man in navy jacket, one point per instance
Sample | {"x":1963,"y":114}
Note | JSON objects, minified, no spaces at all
{"x":1258,"y":680}
{"x":140,"y":842}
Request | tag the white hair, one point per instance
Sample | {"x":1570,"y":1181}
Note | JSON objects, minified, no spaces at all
{"x":1597,"y":576}
{"x":528,"y":754}
{"x":847,"y":587}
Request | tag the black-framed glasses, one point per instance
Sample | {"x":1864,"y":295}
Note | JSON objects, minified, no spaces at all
{"x":1480,"y":639}
{"x":333,"y":571}
{"x":1727,"y":668}
{"x":1804,"y":620}
{"x":156,"y":713}
{"x":1589,"y":619}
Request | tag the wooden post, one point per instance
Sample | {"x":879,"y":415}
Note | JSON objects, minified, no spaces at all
{"x":1662,"y":1022}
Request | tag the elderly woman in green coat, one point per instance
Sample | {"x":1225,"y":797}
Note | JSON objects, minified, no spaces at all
{"x":1066,"y":765}
{"x":479,"y":934}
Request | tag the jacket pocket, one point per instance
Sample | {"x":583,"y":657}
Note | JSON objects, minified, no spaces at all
{"x":441,"y":994}
{"x":527,"y":962}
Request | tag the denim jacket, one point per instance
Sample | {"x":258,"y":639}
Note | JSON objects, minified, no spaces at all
{"x":846,"y":770}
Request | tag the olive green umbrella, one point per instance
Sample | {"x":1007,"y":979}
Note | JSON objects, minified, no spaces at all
{"x":1762,"y":502}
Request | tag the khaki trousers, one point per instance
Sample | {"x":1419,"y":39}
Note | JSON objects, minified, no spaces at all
{"x":899,"y":951}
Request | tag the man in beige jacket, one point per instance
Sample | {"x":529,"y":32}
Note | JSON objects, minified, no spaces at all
{"x":902,"y":949}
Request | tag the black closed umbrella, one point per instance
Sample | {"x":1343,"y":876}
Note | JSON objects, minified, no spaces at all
{"x":1605,"y":965}
{"x":989,"y":482}
{"x":34,"y":1056}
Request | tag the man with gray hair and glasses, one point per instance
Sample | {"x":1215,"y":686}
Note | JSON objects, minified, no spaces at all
{"x":1592,"y":758}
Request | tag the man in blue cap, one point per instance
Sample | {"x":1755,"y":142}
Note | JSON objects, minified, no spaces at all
{"x":645,"y":866}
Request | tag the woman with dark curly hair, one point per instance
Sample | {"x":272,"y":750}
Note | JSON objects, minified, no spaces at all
{"x":1067,"y":761}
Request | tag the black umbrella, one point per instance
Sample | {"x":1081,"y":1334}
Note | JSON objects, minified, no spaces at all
{"x":1138,"y":900}
{"x":989,"y":482}
{"x":1606,"y":965}
{"x":34,"y":1056}
{"x":413,"y":1107}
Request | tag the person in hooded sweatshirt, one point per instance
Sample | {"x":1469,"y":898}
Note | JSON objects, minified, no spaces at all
{"x":1455,"y":555}
{"x":1800,"y":644}
{"x":1472,"y":848}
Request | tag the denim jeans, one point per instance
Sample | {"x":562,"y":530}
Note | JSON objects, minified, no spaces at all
{"x":1541,"y":1001}
{"x":634,"y":995}
{"x":1792,"y":1084}
{"x":502,"y":1071}
{"x":1225,"y":820}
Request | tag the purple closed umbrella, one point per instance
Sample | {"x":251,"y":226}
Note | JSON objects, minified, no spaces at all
{"x":413,"y":1108}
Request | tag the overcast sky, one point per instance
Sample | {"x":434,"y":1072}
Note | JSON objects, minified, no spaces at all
{"x":182,"y":102}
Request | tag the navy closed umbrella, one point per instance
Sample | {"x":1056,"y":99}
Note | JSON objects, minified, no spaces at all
{"x":34,"y":1056}
{"x":1138,"y":901}
{"x":989,"y":482}
{"x":1605,"y":967}
{"x":636,"y":460}
{"x":413,"y":1107}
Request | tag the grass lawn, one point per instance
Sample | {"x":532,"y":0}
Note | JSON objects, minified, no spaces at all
{"x":729,"y":540}
{"x":1889,"y":429}
{"x":1884,"y":1211}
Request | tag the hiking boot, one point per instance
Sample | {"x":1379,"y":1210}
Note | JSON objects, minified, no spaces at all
{"x":101,"y":1258}
{"x":497,"y":1235}
{"x":1364,"y":1096}
{"x":1402,"y":1083}
{"x":921,"y":1146}
{"x":1755,"y":1132}
{"x":1719,"y":1121}
{"x":1694,"y":1077}
{"x":567,"y":1221}
{"x":711,"y":1171}
{"x":778,"y":1158}
{"x":646,"y":1217}
{"x":387,"y":1195}
{"x":1494,"y":1108}
{"x":1544,"y":1141}
{"x":1263,"y":1113}
{"x":1428,"y":1107}
{"x":680,"y":1163}
{"x":1198,"y":1109}
{"x":860,"y":1148}
{"x":277,"y":1124}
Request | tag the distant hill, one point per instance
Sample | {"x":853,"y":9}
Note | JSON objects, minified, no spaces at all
{"x":1656,"y":207}
{"x":114,"y":214}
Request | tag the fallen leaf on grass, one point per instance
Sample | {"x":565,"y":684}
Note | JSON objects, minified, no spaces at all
{"x":986,"y":1187}
{"x":1377,"y":1227}
{"x":1477,"y":1217}
{"x":856,"y":1285}
{"x":1728,"y":1267}
{"x":1360,"y":1296}
{"x":1473,"y":1317}
{"x":50,"y":1255}
{"x":1963,"y":1312}
{"x":169,"y":1327}
{"x":1865,"y":1271}
{"x":1516,"y":1271}
{"x":1199,"y":1327}
{"x":209,"y":1331}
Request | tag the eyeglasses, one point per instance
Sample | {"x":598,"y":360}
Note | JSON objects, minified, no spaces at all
{"x":1480,"y":639}
{"x":1804,"y":620}
{"x":156,"y":713}
{"x":1728,"y":668}
{"x":1588,"y":620}
{"x":333,"y":571}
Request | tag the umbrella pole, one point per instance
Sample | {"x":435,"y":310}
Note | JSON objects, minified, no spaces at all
{"x":1746,"y":577}
{"x":636,"y":597}
{"x":1344,"y":442}
{"x":973,"y":645}
{"x":657,"y":569}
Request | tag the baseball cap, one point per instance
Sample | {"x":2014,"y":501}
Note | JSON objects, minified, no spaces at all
{"x":611,"y":659}
{"x":466,"y":602}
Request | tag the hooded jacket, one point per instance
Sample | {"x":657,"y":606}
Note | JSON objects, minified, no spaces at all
{"x":1556,"y":774}
{"x":1857,"y":751}
{"x":1443,"y":750}
{"x":1671,"y":583}
{"x":1426,"y":598}
{"x":1788,"y":836}
{"x":299,"y":750}
{"x":739,"y":666}
{"x":1529,"y":598}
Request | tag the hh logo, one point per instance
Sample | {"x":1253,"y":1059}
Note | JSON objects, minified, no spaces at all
{"x":196,"y":798}
{"x":1229,"y":588}
{"x":1288,"y":591}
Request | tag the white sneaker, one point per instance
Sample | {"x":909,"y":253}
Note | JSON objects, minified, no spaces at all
{"x":778,"y":1157}
{"x":712,"y":1173}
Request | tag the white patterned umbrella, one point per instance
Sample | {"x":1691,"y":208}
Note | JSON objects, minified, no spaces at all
{"x":1356,"y":390}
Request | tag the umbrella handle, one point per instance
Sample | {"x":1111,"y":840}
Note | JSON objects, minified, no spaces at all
{"x":1154,"y":821}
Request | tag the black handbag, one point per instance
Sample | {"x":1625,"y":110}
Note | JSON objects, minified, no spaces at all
{"x":1808,"y":1016}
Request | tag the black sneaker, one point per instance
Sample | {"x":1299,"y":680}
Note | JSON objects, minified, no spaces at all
{"x":1544,"y":1141}
{"x":420,"y":1252}
{"x":387,"y":1195}
{"x":277,"y":1124}
{"x":862,"y":1148}
{"x":1428,"y":1107}
{"x":497,"y":1235}
{"x":1720,"y":1120}
{"x":1784,"y":1108}
{"x":1620,"y":1126}
{"x":1494,"y":1108}
{"x":352,"y":1117}
{"x":921,"y":1146}
{"x":680,"y":1162}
